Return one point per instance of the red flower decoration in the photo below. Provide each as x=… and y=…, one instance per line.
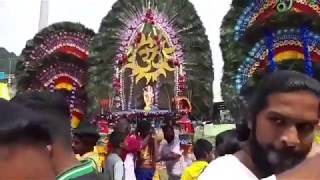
x=124, y=59
x=176, y=63
x=104, y=103
x=182, y=84
x=171, y=63
x=149, y=18
x=103, y=126
x=138, y=38
x=149, y=14
x=182, y=79
x=116, y=84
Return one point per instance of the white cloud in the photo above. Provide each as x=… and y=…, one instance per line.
x=211, y=13
x=18, y=22
x=88, y=12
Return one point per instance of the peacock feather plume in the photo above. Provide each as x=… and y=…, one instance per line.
x=261, y=36
x=161, y=43
x=56, y=60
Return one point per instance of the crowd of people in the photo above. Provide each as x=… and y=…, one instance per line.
x=134, y=156
x=36, y=141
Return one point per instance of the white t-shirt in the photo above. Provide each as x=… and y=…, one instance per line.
x=228, y=167
x=114, y=167
x=129, y=167
x=174, y=167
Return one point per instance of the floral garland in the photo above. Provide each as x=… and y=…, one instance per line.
x=139, y=115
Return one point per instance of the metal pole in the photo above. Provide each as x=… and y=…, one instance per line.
x=44, y=14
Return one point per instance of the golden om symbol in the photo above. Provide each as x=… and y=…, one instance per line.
x=148, y=60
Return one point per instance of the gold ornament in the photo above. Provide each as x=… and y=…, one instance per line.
x=148, y=97
x=147, y=60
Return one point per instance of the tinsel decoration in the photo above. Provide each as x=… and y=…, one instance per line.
x=133, y=116
x=246, y=48
x=307, y=58
x=269, y=41
x=65, y=37
x=56, y=60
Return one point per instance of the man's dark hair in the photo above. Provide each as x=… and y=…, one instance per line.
x=19, y=125
x=201, y=148
x=89, y=139
x=167, y=127
x=87, y=133
x=246, y=92
x=227, y=143
x=116, y=138
x=143, y=126
x=280, y=82
x=277, y=82
x=53, y=105
x=122, y=125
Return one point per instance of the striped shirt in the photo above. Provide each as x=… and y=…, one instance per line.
x=86, y=167
x=94, y=156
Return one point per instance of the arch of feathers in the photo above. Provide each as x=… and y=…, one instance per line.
x=56, y=60
x=261, y=36
x=154, y=43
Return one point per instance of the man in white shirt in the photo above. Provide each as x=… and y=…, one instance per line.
x=283, y=115
x=171, y=154
x=114, y=168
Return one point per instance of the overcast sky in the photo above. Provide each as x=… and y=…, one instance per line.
x=19, y=21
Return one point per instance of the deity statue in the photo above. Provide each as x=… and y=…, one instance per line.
x=148, y=97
